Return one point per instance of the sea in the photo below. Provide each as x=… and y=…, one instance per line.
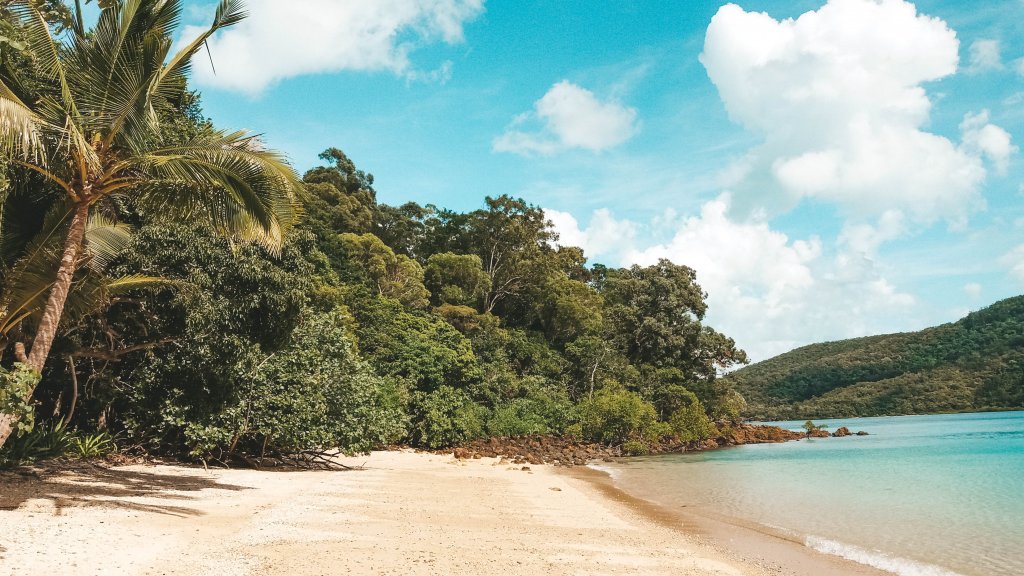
x=936, y=495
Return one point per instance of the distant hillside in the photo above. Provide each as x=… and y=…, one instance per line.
x=976, y=363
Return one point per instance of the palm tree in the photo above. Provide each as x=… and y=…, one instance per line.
x=94, y=132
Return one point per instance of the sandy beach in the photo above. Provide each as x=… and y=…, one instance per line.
x=404, y=513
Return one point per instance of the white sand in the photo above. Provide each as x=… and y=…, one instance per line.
x=407, y=513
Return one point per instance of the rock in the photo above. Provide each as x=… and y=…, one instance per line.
x=555, y=488
x=841, y=431
x=818, y=434
x=862, y=433
x=525, y=468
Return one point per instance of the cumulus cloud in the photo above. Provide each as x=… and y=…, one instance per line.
x=570, y=117
x=983, y=55
x=769, y=291
x=1014, y=261
x=286, y=39
x=973, y=290
x=982, y=138
x=837, y=96
x=773, y=293
x=604, y=239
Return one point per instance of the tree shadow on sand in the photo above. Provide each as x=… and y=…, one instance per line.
x=90, y=485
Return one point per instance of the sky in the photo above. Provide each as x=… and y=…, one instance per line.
x=830, y=170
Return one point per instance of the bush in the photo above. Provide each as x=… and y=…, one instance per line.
x=445, y=417
x=16, y=385
x=537, y=413
x=691, y=423
x=317, y=394
x=615, y=415
x=54, y=441
x=314, y=393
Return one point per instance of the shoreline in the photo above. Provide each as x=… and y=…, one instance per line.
x=405, y=513
x=744, y=541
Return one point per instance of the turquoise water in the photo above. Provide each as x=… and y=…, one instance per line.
x=921, y=496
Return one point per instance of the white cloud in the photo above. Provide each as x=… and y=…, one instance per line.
x=864, y=239
x=973, y=290
x=604, y=239
x=286, y=39
x=980, y=137
x=983, y=55
x=1014, y=260
x=1018, y=66
x=837, y=96
x=772, y=293
x=572, y=117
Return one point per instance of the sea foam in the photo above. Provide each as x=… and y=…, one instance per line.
x=612, y=473
x=876, y=559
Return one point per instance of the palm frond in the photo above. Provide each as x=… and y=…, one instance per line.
x=246, y=190
x=45, y=50
x=229, y=13
x=21, y=130
x=105, y=240
x=27, y=282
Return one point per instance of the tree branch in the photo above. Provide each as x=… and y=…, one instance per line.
x=115, y=355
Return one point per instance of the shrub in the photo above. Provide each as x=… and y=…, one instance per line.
x=615, y=415
x=317, y=394
x=445, y=417
x=54, y=441
x=313, y=393
x=537, y=413
x=16, y=385
x=691, y=423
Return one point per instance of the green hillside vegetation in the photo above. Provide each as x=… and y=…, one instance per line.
x=178, y=289
x=976, y=363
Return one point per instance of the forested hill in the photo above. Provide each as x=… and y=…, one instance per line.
x=976, y=363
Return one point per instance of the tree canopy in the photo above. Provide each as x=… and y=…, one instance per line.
x=196, y=298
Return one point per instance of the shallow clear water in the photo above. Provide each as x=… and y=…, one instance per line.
x=920, y=496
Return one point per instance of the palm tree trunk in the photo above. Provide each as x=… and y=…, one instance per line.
x=47, y=329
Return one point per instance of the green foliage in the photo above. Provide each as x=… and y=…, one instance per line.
x=414, y=347
x=636, y=447
x=655, y=314
x=456, y=279
x=363, y=325
x=445, y=417
x=236, y=307
x=94, y=445
x=615, y=415
x=810, y=426
x=55, y=440
x=314, y=394
x=539, y=412
x=43, y=442
x=16, y=386
x=967, y=365
x=689, y=421
x=391, y=275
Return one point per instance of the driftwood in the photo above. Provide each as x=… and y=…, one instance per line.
x=304, y=460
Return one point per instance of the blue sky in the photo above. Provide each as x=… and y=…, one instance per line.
x=852, y=170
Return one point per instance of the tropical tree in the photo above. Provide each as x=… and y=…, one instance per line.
x=93, y=131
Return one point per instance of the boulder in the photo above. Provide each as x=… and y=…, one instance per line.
x=841, y=431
